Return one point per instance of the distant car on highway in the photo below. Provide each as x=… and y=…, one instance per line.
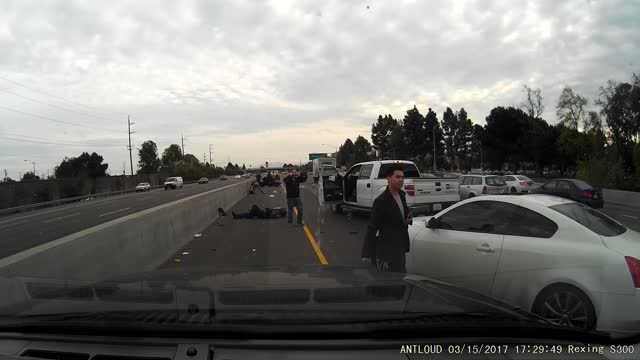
x=238, y=177
x=519, y=183
x=203, y=180
x=223, y=177
x=453, y=175
x=143, y=187
x=559, y=259
x=479, y=185
x=573, y=189
x=173, y=183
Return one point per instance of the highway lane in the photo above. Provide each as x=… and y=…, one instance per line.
x=23, y=231
x=339, y=237
x=230, y=243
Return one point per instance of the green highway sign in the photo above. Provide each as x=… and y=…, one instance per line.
x=318, y=155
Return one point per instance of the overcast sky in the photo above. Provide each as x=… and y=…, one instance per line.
x=273, y=81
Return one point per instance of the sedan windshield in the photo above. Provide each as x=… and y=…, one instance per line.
x=592, y=219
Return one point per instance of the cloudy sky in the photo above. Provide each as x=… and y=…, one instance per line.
x=273, y=81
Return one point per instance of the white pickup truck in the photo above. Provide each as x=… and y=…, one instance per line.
x=364, y=182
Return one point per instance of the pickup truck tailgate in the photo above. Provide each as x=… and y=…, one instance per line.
x=429, y=191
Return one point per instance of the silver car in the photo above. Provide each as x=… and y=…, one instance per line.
x=519, y=183
x=478, y=185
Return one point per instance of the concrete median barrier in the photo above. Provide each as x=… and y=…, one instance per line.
x=134, y=243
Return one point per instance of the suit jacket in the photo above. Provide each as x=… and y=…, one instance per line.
x=392, y=241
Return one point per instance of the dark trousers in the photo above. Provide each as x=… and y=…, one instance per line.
x=297, y=203
x=397, y=264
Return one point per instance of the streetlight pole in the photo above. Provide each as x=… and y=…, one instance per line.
x=335, y=147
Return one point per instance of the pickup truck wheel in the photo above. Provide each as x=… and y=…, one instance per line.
x=337, y=209
x=471, y=195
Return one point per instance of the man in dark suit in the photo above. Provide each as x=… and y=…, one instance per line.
x=387, y=238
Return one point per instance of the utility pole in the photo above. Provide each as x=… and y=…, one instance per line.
x=129, y=123
x=5, y=175
x=211, y=152
x=204, y=158
x=182, y=137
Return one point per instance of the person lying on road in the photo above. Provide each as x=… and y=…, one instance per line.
x=257, y=213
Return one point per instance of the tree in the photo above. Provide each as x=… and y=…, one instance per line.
x=171, y=154
x=83, y=165
x=148, y=158
x=415, y=132
x=244, y=168
x=432, y=125
x=398, y=146
x=30, y=176
x=450, y=128
x=620, y=104
x=571, y=108
x=533, y=103
x=504, y=137
x=346, y=156
x=190, y=159
x=362, y=150
x=464, y=137
x=381, y=136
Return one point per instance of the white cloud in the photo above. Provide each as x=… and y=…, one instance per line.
x=238, y=72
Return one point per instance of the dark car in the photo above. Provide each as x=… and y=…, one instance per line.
x=573, y=189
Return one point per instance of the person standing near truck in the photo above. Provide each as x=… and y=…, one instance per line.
x=387, y=238
x=292, y=186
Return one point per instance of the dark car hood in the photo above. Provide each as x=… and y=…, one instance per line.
x=286, y=289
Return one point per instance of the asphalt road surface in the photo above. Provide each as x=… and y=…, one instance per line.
x=325, y=238
x=23, y=231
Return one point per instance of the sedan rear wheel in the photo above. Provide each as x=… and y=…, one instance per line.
x=513, y=189
x=565, y=305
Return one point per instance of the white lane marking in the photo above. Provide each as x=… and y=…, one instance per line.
x=113, y=212
x=144, y=198
x=65, y=207
x=60, y=218
x=15, y=258
x=15, y=223
x=633, y=217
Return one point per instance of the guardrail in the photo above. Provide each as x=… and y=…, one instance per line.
x=45, y=204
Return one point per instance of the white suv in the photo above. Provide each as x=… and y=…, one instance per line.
x=478, y=185
x=173, y=183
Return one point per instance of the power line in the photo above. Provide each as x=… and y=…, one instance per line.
x=59, y=121
x=57, y=143
x=54, y=106
x=53, y=96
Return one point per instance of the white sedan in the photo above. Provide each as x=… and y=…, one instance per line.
x=557, y=258
x=143, y=187
x=519, y=183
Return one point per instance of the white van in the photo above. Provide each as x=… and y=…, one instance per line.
x=173, y=183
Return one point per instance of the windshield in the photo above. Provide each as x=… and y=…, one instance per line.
x=495, y=181
x=169, y=154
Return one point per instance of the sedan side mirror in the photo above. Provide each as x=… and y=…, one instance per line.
x=432, y=223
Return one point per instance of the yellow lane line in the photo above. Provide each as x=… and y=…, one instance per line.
x=314, y=244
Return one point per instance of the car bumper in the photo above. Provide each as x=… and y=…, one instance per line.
x=620, y=314
x=597, y=204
